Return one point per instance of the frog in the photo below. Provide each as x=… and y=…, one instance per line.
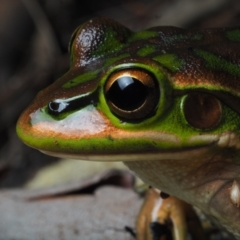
x=165, y=101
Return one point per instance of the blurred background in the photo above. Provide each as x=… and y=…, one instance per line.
x=34, y=37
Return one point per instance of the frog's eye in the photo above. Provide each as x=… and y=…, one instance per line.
x=202, y=110
x=132, y=94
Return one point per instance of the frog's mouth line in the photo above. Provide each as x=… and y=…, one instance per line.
x=209, y=143
x=173, y=155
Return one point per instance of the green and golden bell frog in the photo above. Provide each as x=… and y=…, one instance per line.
x=165, y=101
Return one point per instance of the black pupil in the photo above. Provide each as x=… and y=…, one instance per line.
x=127, y=93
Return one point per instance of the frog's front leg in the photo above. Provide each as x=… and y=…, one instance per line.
x=159, y=217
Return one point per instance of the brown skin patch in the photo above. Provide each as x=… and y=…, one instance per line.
x=91, y=35
x=195, y=74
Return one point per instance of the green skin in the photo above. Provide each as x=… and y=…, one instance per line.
x=182, y=62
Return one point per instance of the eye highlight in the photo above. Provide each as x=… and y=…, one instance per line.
x=202, y=110
x=132, y=94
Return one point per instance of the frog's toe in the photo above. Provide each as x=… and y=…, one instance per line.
x=169, y=218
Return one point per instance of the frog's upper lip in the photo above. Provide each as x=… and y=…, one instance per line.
x=209, y=142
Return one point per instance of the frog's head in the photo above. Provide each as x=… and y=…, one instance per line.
x=157, y=92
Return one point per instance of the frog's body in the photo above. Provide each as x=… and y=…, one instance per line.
x=166, y=101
